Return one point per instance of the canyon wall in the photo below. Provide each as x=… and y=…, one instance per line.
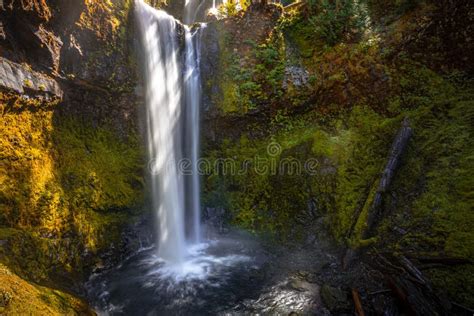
x=72, y=162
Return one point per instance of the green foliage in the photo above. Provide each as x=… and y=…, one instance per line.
x=359, y=98
x=301, y=34
x=332, y=20
x=270, y=70
x=244, y=87
x=349, y=155
x=258, y=196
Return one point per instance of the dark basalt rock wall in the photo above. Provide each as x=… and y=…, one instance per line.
x=86, y=47
x=69, y=88
x=21, y=80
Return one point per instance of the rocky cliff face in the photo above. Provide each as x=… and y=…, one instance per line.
x=300, y=114
x=320, y=101
x=71, y=160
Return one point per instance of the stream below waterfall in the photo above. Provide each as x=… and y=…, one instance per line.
x=231, y=275
x=214, y=277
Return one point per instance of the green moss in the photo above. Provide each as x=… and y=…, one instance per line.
x=300, y=33
x=22, y=298
x=100, y=171
x=66, y=188
x=360, y=163
x=229, y=102
x=259, y=196
x=443, y=155
x=353, y=110
x=456, y=282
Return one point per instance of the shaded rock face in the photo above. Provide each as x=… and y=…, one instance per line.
x=188, y=12
x=52, y=43
x=216, y=220
x=67, y=69
x=209, y=63
x=36, y=31
x=225, y=42
x=295, y=75
x=85, y=46
x=26, y=36
x=22, y=80
x=134, y=237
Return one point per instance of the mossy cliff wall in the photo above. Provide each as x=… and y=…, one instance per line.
x=71, y=160
x=317, y=95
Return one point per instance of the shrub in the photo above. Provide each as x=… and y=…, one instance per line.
x=332, y=20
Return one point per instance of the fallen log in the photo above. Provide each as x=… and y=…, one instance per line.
x=375, y=209
x=357, y=303
x=411, y=288
x=448, y=261
x=410, y=267
x=398, y=148
x=462, y=310
x=400, y=295
x=379, y=292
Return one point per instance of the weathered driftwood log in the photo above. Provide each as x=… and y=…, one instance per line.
x=398, y=148
x=396, y=152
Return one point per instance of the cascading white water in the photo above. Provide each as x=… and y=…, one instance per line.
x=192, y=83
x=190, y=11
x=196, y=10
x=172, y=97
x=185, y=275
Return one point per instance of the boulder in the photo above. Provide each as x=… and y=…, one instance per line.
x=20, y=79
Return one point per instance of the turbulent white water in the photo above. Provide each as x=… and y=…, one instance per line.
x=172, y=104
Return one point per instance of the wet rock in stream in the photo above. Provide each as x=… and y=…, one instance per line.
x=293, y=295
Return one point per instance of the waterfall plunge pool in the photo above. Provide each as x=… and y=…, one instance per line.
x=214, y=278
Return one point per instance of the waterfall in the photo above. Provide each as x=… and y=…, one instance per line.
x=172, y=118
x=192, y=82
x=190, y=11
x=196, y=10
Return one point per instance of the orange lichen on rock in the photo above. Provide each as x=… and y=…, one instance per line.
x=39, y=6
x=98, y=17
